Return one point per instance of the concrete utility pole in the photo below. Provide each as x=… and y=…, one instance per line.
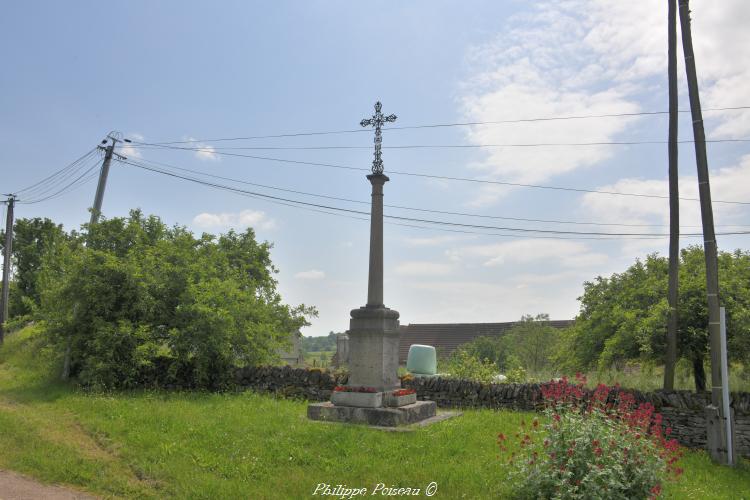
x=674, y=202
x=715, y=414
x=8, y=251
x=101, y=186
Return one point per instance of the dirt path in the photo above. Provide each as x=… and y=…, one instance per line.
x=17, y=487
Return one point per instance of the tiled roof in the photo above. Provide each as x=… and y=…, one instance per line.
x=446, y=337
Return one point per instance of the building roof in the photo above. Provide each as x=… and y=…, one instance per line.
x=446, y=337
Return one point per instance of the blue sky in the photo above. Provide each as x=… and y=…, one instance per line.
x=176, y=71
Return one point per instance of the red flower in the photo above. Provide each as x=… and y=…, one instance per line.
x=598, y=452
x=403, y=392
x=347, y=388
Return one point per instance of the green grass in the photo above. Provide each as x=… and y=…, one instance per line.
x=199, y=445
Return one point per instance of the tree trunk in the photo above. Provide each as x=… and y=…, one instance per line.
x=674, y=202
x=66, y=361
x=699, y=374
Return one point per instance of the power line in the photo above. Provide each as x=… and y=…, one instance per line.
x=411, y=219
x=68, y=187
x=294, y=204
x=455, y=124
x=402, y=207
x=56, y=178
x=211, y=149
x=449, y=178
x=41, y=191
x=84, y=156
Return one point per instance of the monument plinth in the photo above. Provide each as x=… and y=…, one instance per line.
x=373, y=334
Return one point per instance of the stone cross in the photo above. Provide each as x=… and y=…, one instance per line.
x=373, y=329
x=374, y=334
x=377, y=121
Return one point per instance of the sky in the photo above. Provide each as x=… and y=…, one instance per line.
x=196, y=72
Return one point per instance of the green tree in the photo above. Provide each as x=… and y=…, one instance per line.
x=488, y=348
x=532, y=342
x=141, y=297
x=624, y=317
x=322, y=343
x=32, y=240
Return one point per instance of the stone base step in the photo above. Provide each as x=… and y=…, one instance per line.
x=384, y=417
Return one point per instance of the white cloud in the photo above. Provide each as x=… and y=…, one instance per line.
x=312, y=275
x=560, y=253
x=431, y=241
x=539, y=68
x=630, y=41
x=422, y=268
x=204, y=152
x=727, y=184
x=128, y=150
x=457, y=301
x=593, y=57
x=246, y=218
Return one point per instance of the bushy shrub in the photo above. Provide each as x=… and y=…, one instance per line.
x=136, y=303
x=463, y=365
x=516, y=375
x=606, y=447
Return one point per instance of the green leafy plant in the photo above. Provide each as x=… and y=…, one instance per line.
x=516, y=375
x=463, y=365
x=600, y=446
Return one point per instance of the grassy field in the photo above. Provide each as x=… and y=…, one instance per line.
x=200, y=445
x=319, y=358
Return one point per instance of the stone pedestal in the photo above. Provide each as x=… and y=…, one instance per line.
x=373, y=348
x=383, y=417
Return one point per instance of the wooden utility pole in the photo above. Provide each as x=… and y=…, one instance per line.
x=715, y=418
x=101, y=186
x=8, y=252
x=674, y=202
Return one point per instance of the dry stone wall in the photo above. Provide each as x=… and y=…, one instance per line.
x=683, y=411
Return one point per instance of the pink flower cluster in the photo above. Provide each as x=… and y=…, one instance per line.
x=620, y=434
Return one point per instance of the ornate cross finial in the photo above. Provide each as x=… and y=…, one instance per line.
x=377, y=121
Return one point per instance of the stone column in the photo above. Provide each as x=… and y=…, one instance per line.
x=373, y=329
x=375, y=278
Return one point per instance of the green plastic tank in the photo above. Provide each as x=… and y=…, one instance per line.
x=422, y=360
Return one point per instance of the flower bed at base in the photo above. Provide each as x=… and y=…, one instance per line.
x=404, y=392
x=604, y=447
x=346, y=388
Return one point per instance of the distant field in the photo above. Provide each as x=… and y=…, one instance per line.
x=144, y=444
x=319, y=358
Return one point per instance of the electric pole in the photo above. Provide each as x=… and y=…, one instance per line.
x=715, y=417
x=7, y=251
x=101, y=186
x=674, y=202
